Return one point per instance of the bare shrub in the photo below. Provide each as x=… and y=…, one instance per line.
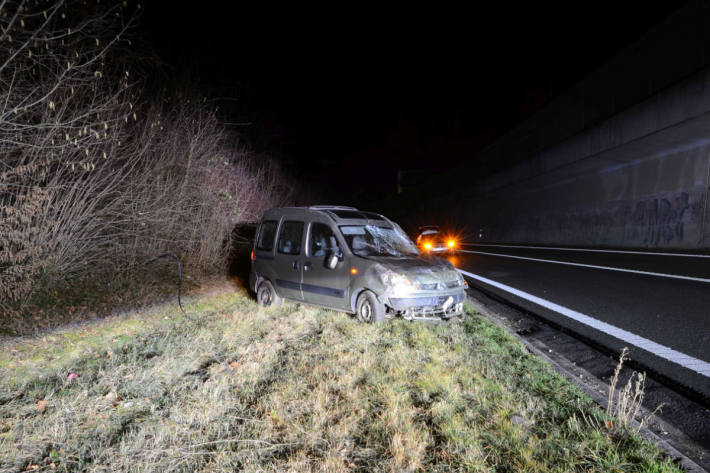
x=626, y=403
x=57, y=123
x=92, y=184
x=192, y=185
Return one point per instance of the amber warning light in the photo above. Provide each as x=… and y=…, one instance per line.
x=451, y=243
x=427, y=246
x=353, y=270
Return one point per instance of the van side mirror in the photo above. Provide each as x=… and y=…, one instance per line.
x=331, y=261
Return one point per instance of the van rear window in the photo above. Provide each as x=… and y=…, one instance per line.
x=267, y=233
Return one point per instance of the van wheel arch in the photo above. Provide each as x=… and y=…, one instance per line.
x=258, y=281
x=368, y=308
x=353, y=298
x=356, y=293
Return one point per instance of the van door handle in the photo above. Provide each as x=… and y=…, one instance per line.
x=307, y=265
x=295, y=265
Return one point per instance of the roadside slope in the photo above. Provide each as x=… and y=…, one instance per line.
x=297, y=389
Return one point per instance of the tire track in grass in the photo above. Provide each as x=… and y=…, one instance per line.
x=279, y=406
x=228, y=393
x=333, y=398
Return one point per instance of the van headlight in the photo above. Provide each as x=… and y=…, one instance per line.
x=460, y=280
x=396, y=283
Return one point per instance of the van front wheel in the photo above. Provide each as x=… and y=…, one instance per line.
x=369, y=309
x=266, y=295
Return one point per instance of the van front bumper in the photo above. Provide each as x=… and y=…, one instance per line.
x=428, y=306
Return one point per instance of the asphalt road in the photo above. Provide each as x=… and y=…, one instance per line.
x=656, y=305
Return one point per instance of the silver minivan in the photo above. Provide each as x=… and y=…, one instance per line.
x=349, y=260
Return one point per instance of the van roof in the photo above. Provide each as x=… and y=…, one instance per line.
x=336, y=212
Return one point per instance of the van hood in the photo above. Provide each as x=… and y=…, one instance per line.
x=423, y=269
x=414, y=264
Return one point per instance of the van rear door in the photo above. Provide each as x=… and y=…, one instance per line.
x=288, y=259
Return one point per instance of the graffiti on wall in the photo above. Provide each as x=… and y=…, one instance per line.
x=660, y=220
x=664, y=220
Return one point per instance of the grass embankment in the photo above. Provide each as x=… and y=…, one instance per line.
x=296, y=389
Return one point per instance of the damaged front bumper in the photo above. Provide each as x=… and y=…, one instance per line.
x=427, y=307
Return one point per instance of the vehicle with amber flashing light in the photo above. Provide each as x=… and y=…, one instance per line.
x=432, y=240
x=350, y=260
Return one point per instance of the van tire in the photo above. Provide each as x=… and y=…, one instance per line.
x=369, y=309
x=266, y=295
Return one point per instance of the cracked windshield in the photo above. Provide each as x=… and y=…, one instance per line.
x=370, y=240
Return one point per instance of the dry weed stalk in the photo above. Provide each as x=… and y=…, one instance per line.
x=626, y=403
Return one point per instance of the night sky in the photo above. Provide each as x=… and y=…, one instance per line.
x=335, y=93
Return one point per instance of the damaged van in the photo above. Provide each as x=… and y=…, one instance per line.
x=353, y=261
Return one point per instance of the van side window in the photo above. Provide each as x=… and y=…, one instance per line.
x=322, y=240
x=290, y=238
x=267, y=233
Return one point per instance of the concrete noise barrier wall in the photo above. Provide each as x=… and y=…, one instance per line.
x=638, y=179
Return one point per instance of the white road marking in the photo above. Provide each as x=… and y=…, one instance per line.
x=662, y=351
x=593, y=266
x=590, y=250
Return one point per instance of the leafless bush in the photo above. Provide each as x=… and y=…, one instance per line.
x=92, y=183
x=193, y=185
x=57, y=124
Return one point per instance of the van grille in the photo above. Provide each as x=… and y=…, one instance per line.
x=430, y=287
x=439, y=286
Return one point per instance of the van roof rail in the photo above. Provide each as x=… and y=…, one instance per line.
x=331, y=207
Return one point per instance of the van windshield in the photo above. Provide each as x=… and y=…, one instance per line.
x=370, y=240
